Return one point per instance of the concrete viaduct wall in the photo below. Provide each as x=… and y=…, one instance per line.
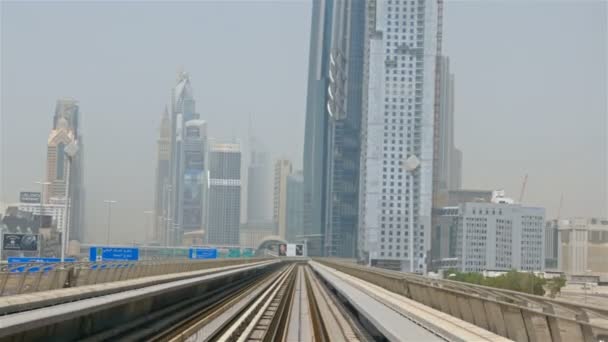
x=519, y=317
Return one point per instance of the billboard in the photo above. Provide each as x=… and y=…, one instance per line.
x=19, y=242
x=248, y=253
x=282, y=249
x=113, y=254
x=29, y=197
x=295, y=250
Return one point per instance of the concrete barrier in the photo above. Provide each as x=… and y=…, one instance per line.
x=95, y=310
x=34, y=277
x=517, y=316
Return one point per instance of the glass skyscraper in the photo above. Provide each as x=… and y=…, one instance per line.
x=333, y=123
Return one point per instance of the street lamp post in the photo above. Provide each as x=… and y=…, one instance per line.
x=109, y=203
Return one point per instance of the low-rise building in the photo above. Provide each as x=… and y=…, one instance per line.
x=499, y=236
x=583, y=245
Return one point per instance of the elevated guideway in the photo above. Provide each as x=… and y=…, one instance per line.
x=290, y=299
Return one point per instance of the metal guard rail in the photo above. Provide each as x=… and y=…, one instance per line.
x=515, y=315
x=33, y=277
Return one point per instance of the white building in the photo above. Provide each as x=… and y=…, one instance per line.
x=584, y=245
x=500, y=237
x=398, y=134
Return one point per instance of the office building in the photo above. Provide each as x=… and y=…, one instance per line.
x=66, y=134
x=444, y=235
x=500, y=237
x=259, y=198
x=399, y=133
x=193, y=206
x=224, y=194
x=56, y=159
x=162, y=178
x=332, y=145
x=584, y=245
x=295, y=207
x=282, y=169
x=552, y=246
x=186, y=194
x=448, y=159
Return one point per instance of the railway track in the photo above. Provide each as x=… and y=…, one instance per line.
x=289, y=305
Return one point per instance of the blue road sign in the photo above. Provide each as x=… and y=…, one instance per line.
x=15, y=260
x=203, y=253
x=113, y=254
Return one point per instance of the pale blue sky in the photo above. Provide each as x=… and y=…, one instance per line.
x=531, y=83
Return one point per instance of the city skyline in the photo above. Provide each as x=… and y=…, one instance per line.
x=507, y=160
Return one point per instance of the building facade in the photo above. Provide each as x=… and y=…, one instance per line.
x=193, y=194
x=444, y=235
x=295, y=207
x=186, y=194
x=56, y=160
x=259, y=199
x=399, y=133
x=282, y=169
x=500, y=237
x=62, y=165
x=584, y=245
x=552, y=246
x=333, y=125
x=224, y=194
x=449, y=158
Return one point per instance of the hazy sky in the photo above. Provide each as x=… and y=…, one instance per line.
x=531, y=84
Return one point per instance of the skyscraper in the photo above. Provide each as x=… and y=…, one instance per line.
x=56, y=160
x=186, y=192
x=399, y=133
x=224, y=194
x=66, y=132
x=259, y=174
x=333, y=123
x=162, y=178
x=194, y=189
x=449, y=158
x=294, y=210
x=282, y=169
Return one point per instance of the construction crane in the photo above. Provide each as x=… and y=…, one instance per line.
x=523, y=189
